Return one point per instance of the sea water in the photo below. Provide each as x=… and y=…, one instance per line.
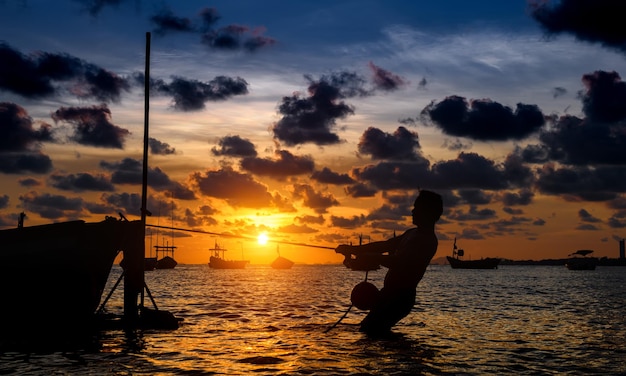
x=531, y=320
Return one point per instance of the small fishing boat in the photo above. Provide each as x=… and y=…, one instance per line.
x=167, y=261
x=457, y=263
x=281, y=262
x=217, y=260
x=580, y=260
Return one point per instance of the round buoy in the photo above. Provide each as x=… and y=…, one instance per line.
x=364, y=295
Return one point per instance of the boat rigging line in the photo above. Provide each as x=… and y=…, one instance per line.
x=238, y=236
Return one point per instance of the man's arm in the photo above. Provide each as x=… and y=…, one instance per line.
x=379, y=247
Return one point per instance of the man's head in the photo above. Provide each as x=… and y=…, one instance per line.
x=427, y=209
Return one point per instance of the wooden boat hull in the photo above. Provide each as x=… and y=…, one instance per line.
x=281, y=263
x=581, y=264
x=55, y=274
x=220, y=263
x=166, y=263
x=486, y=263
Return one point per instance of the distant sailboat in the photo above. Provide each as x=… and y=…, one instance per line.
x=217, y=260
x=281, y=262
x=168, y=261
x=457, y=263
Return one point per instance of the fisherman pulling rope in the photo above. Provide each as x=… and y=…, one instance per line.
x=406, y=257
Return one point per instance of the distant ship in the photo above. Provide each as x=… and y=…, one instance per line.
x=580, y=260
x=281, y=262
x=217, y=260
x=167, y=262
x=457, y=263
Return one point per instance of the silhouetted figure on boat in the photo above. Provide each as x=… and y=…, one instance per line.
x=407, y=256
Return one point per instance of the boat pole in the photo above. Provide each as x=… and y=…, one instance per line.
x=134, y=279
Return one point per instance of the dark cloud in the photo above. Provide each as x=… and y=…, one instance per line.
x=594, y=21
x=130, y=171
x=92, y=126
x=360, y=190
x=585, y=216
x=318, y=201
x=523, y=197
x=327, y=176
x=81, y=182
x=285, y=165
x=166, y=21
x=229, y=37
x=472, y=214
x=310, y=219
x=483, y=119
x=29, y=182
x=394, y=175
x=470, y=170
x=313, y=119
x=475, y=196
x=467, y=171
x=605, y=98
x=39, y=76
x=422, y=84
x=558, y=92
x=4, y=201
x=125, y=202
x=234, y=146
x=95, y=6
x=600, y=183
x=235, y=37
x=402, y=145
x=238, y=189
x=160, y=148
x=192, y=95
x=28, y=162
x=354, y=222
x=385, y=80
x=52, y=206
x=576, y=141
x=17, y=132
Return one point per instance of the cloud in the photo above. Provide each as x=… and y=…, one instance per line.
x=580, y=18
x=313, y=119
x=52, y=206
x=585, y=216
x=284, y=166
x=234, y=146
x=130, y=171
x=605, y=96
x=18, y=163
x=16, y=129
x=95, y=6
x=37, y=76
x=230, y=37
x=327, y=176
x=402, y=145
x=92, y=126
x=160, y=148
x=237, y=189
x=600, y=183
x=81, y=182
x=4, y=201
x=317, y=201
x=192, y=95
x=483, y=119
x=385, y=80
x=166, y=21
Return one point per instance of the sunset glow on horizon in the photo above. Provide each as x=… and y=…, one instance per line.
x=317, y=125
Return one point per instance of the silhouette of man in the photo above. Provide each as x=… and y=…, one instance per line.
x=406, y=256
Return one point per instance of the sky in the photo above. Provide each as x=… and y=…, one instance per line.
x=318, y=122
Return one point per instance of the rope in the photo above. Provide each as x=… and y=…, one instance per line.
x=345, y=313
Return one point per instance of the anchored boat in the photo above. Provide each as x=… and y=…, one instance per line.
x=217, y=260
x=456, y=261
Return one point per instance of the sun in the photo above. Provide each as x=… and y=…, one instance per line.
x=262, y=239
